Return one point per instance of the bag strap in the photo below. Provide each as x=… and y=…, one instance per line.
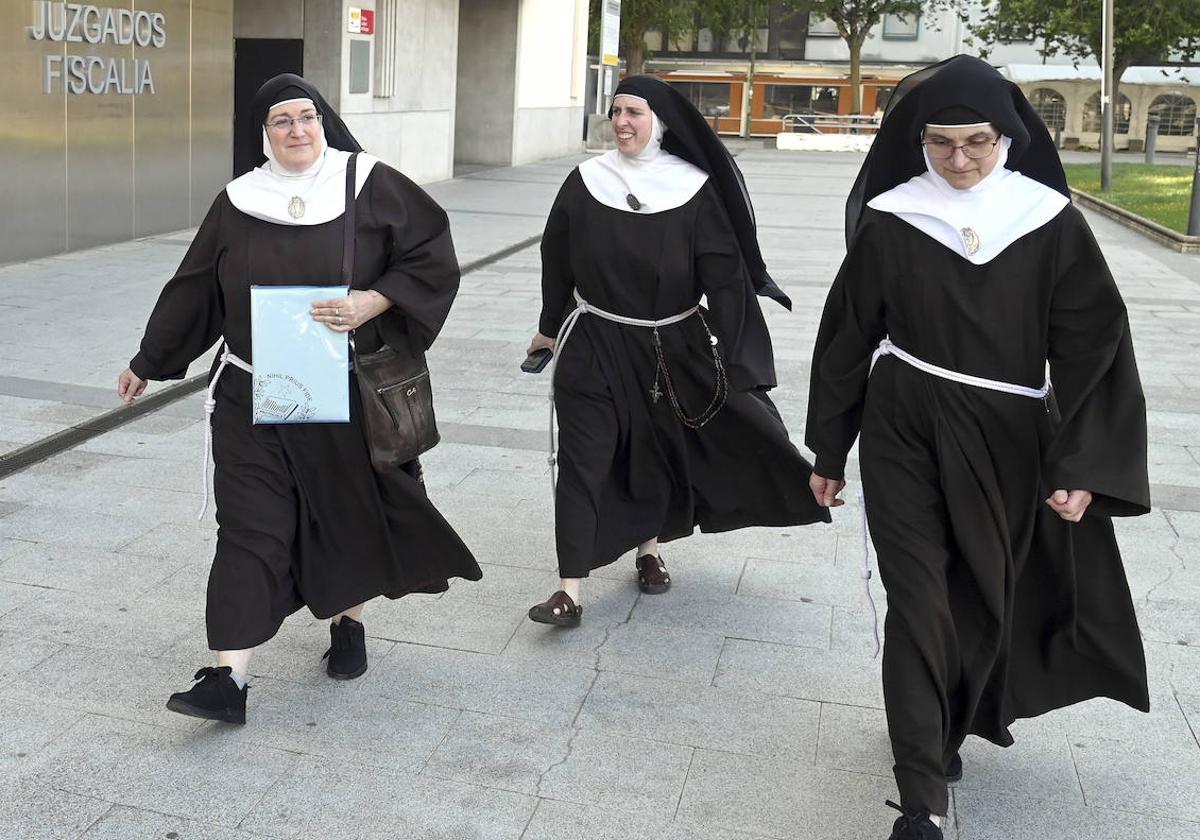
x=348, y=234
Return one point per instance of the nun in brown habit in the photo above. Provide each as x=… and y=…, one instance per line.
x=666, y=425
x=304, y=520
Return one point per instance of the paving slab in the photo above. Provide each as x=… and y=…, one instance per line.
x=499, y=752
x=385, y=804
x=124, y=823
x=995, y=816
x=768, y=798
x=715, y=718
x=822, y=674
x=628, y=774
x=31, y=811
x=345, y=724
x=211, y=776
x=478, y=682
x=1158, y=777
x=571, y=821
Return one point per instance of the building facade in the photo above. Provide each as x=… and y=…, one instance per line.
x=121, y=118
x=802, y=68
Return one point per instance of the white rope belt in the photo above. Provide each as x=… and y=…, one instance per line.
x=210, y=405
x=568, y=325
x=886, y=348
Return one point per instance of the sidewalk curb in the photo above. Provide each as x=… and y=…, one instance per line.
x=1173, y=239
x=32, y=453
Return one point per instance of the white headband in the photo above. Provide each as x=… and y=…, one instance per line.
x=290, y=101
x=957, y=125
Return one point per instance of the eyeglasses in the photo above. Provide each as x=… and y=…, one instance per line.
x=941, y=148
x=279, y=126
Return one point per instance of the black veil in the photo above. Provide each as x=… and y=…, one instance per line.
x=690, y=137
x=964, y=80
x=290, y=86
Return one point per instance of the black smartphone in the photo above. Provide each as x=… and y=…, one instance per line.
x=536, y=361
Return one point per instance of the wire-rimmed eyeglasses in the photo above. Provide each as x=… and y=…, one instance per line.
x=282, y=124
x=942, y=148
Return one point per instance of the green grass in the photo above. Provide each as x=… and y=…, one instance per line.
x=1160, y=193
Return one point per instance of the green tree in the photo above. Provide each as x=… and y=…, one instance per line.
x=856, y=18
x=1144, y=32
x=739, y=21
x=639, y=17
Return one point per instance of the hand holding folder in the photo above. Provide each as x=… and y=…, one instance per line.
x=301, y=367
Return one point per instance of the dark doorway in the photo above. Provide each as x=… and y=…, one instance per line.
x=254, y=61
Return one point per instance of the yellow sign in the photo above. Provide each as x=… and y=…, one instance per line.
x=610, y=32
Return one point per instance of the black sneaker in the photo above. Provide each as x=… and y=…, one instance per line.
x=347, y=652
x=954, y=771
x=913, y=825
x=215, y=697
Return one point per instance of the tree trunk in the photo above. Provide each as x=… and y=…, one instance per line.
x=635, y=56
x=747, y=101
x=855, y=42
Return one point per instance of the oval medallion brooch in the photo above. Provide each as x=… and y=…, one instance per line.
x=971, y=240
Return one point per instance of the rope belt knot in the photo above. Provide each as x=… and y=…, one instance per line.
x=582, y=307
x=887, y=348
x=210, y=405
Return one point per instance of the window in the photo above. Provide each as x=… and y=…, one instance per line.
x=1092, y=116
x=360, y=66
x=882, y=95
x=792, y=30
x=825, y=100
x=1176, y=113
x=706, y=96
x=1051, y=107
x=901, y=27
x=820, y=27
x=781, y=100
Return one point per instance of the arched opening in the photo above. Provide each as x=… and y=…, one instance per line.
x=1121, y=114
x=1176, y=114
x=1051, y=107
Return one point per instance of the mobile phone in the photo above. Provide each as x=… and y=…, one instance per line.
x=536, y=361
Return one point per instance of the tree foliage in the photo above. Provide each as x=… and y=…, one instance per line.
x=639, y=17
x=856, y=18
x=1144, y=32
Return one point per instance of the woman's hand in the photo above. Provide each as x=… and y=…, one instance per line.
x=825, y=490
x=540, y=341
x=1070, y=505
x=343, y=314
x=130, y=386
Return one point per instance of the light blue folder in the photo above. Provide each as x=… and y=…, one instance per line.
x=301, y=366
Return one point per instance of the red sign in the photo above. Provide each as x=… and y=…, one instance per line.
x=366, y=25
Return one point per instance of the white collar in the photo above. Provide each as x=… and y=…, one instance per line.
x=657, y=179
x=267, y=192
x=976, y=223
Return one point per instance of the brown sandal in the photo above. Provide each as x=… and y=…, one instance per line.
x=558, y=610
x=652, y=574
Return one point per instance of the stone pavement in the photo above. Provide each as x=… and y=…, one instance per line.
x=743, y=704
